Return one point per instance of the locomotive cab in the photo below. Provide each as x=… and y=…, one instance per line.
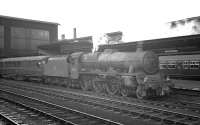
x=75, y=65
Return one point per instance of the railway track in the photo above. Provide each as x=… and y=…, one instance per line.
x=186, y=98
x=5, y=119
x=25, y=110
x=157, y=114
x=187, y=92
x=179, y=104
x=16, y=114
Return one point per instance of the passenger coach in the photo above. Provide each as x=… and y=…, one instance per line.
x=181, y=66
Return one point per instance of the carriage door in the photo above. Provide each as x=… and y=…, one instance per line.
x=75, y=65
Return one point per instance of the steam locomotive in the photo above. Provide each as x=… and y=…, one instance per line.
x=123, y=73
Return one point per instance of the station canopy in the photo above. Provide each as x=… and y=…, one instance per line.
x=180, y=45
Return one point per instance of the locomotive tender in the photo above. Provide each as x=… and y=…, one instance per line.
x=111, y=72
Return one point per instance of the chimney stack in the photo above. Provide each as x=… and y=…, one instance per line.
x=74, y=30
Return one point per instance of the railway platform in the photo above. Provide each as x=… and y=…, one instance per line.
x=187, y=84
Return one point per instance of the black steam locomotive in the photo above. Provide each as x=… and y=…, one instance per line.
x=112, y=72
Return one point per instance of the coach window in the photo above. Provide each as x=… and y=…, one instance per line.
x=191, y=64
x=196, y=64
x=186, y=64
x=7, y=64
x=172, y=65
x=163, y=66
x=17, y=63
x=1, y=64
x=23, y=63
x=11, y=64
x=14, y=64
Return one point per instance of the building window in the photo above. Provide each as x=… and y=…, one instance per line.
x=28, y=39
x=38, y=37
x=37, y=34
x=18, y=32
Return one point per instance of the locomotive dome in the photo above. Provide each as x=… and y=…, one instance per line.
x=150, y=62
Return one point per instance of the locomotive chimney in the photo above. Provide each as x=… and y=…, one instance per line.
x=74, y=31
x=139, y=46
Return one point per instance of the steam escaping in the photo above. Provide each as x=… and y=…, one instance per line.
x=99, y=40
x=106, y=38
x=183, y=27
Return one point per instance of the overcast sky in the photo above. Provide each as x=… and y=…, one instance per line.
x=137, y=19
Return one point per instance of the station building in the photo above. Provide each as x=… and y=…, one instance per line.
x=20, y=37
x=84, y=44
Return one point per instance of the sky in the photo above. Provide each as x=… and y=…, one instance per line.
x=137, y=19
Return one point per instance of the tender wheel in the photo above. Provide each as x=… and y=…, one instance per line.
x=112, y=88
x=141, y=92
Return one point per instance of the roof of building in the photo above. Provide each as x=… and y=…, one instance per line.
x=68, y=45
x=184, y=43
x=80, y=39
x=30, y=20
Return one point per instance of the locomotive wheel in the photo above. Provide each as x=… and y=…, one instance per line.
x=124, y=91
x=84, y=85
x=47, y=80
x=98, y=87
x=112, y=88
x=65, y=82
x=141, y=92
